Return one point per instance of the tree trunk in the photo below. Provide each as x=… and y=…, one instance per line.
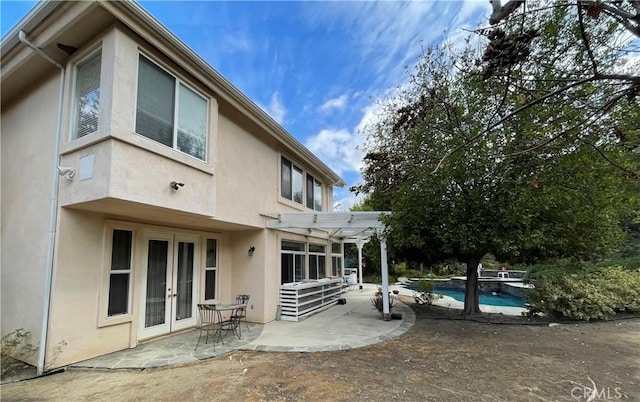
x=471, y=294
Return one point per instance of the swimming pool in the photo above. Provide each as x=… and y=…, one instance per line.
x=498, y=299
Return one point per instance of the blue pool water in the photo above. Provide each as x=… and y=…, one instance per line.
x=499, y=299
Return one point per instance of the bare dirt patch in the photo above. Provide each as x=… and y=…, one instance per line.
x=442, y=358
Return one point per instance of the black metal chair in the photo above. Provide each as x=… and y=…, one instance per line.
x=241, y=314
x=207, y=323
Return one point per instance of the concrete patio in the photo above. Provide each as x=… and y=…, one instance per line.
x=351, y=325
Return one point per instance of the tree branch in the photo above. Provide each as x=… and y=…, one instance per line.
x=598, y=77
x=634, y=29
x=615, y=10
x=628, y=171
x=617, y=77
x=555, y=137
x=585, y=40
x=629, y=20
x=508, y=116
x=501, y=12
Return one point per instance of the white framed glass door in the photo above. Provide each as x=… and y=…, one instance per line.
x=169, y=284
x=184, y=296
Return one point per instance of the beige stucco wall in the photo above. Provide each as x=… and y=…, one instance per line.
x=239, y=180
x=27, y=141
x=128, y=166
x=80, y=327
x=247, y=273
x=74, y=333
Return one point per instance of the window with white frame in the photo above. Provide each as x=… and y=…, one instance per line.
x=336, y=259
x=292, y=186
x=120, y=272
x=169, y=112
x=86, y=106
x=211, y=271
x=317, y=261
x=314, y=193
x=292, y=261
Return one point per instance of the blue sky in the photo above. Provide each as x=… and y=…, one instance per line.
x=316, y=67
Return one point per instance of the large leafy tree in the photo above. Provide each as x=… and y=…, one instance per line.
x=553, y=179
x=566, y=56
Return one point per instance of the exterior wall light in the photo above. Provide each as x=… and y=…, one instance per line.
x=251, y=250
x=175, y=185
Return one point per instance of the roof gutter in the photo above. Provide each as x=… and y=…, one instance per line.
x=53, y=209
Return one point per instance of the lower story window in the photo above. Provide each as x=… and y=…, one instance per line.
x=336, y=266
x=317, y=260
x=292, y=261
x=120, y=272
x=211, y=271
x=336, y=259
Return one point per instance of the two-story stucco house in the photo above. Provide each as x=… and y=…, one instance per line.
x=133, y=180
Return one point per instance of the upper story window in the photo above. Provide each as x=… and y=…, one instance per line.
x=292, y=186
x=314, y=193
x=87, y=96
x=169, y=112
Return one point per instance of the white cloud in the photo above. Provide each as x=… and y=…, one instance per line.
x=343, y=151
x=276, y=109
x=340, y=149
x=370, y=116
x=386, y=36
x=347, y=201
x=335, y=103
x=238, y=42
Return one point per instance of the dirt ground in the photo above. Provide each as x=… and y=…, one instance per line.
x=442, y=358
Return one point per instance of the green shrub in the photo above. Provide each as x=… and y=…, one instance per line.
x=425, y=295
x=426, y=286
x=14, y=345
x=378, y=303
x=588, y=294
x=552, y=268
x=623, y=287
x=632, y=262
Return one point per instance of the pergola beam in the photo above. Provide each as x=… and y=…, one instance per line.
x=347, y=227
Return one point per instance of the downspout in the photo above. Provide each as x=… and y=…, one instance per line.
x=53, y=212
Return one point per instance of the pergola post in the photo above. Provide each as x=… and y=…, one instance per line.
x=386, y=314
x=360, y=244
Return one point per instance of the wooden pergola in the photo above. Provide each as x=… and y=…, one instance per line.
x=343, y=227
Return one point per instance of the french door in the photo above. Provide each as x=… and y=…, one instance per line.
x=169, y=284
